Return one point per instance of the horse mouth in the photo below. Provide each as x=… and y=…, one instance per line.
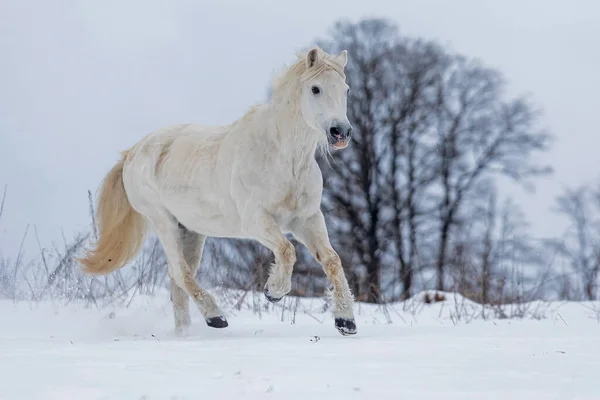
x=338, y=144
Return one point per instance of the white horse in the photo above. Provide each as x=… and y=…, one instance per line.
x=256, y=178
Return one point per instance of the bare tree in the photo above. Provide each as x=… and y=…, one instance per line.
x=430, y=127
x=580, y=246
x=353, y=195
x=491, y=256
x=410, y=170
x=479, y=135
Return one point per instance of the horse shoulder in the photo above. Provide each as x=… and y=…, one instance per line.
x=314, y=187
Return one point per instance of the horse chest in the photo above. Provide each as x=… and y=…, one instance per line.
x=294, y=199
x=291, y=199
x=286, y=191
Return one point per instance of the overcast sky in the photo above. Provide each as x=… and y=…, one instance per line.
x=81, y=80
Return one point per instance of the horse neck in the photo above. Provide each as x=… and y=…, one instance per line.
x=298, y=141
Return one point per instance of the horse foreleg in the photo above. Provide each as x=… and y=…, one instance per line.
x=313, y=234
x=265, y=230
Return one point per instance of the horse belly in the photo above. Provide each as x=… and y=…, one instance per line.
x=204, y=215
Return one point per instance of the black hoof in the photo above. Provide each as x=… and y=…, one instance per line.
x=271, y=298
x=217, y=322
x=345, y=326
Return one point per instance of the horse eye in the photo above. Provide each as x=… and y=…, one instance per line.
x=316, y=90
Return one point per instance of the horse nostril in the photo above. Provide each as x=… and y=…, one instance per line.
x=334, y=131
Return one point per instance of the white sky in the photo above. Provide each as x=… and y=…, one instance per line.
x=80, y=81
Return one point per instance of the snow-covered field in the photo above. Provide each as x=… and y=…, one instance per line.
x=292, y=351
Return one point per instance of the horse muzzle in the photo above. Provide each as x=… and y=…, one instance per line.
x=339, y=135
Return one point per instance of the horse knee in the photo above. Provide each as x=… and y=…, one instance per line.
x=287, y=253
x=332, y=264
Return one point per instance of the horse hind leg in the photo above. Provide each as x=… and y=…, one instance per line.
x=183, y=248
x=192, y=244
x=181, y=308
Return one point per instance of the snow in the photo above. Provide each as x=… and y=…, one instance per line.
x=408, y=350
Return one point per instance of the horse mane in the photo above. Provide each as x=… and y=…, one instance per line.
x=299, y=72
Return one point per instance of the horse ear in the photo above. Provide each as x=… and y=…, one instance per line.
x=342, y=57
x=312, y=57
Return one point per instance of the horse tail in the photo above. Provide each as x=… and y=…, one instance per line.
x=121, y=228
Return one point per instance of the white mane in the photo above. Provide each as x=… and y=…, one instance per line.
x=299, y=71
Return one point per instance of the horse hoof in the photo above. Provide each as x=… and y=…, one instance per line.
x=271, y=298
x=345, y=326
x=217, y=322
